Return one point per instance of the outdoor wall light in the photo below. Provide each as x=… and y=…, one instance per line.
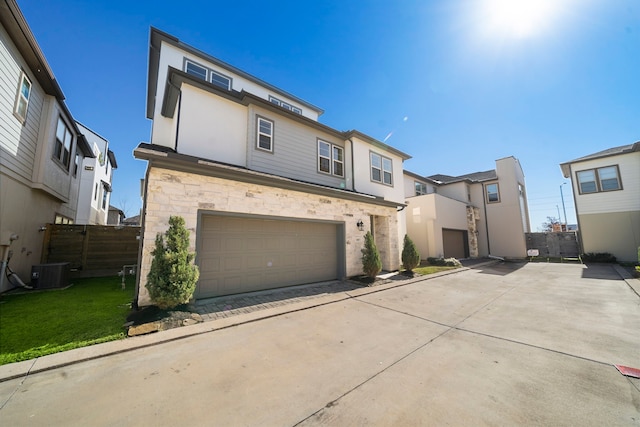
x=360, y=225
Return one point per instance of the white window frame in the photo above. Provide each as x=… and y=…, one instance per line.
x=598, y=180
x=489, y=193
x=63, y=153
x=420, y=188
x=209, y=74
x=195, y=64
x=383, y=170
x=332, y=159
x=21, y=106
x=260, y=133
x=285, y=105
x=213, y=73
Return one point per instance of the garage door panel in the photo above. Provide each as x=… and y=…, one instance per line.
x=239, y=254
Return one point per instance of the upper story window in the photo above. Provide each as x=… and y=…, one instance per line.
x=330, y=158
x=61, y=219
x=264, y=140
x=75, y=163
x=283, y=104
x=493, y=193
x=381, y=169
x=421, y=188
x=22, y=98
x=600, y=179
x=207, y=74
x=62, y=151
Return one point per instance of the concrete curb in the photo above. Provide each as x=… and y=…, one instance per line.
x=58, y=360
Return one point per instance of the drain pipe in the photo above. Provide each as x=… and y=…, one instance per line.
x=7, y=238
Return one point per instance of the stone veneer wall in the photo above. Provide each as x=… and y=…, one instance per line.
x=179, y=193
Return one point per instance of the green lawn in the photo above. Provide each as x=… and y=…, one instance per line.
x=431, y=269
x=38, y=323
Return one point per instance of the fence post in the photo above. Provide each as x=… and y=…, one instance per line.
x=85, y=246
x=46, y=240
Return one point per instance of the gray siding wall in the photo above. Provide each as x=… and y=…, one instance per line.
x=295, y=150
x=18, y=143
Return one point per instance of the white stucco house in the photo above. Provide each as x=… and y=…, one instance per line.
x=606, y=193
x=96, y=174
x=472, y=215
x=272, y=196
x=41, y=147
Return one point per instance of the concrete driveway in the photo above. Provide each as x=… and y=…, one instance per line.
x=507, y=344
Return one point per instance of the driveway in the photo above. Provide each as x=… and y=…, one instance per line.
x=507, y=344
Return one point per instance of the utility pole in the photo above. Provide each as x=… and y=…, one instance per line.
x=563, y=208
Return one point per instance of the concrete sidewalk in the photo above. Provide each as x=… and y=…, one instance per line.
x=502, y=344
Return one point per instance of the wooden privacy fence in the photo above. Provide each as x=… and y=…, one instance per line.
x=91, y=250
x=554, y=245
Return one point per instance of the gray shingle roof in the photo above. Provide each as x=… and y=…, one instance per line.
x=473, y=177
x=608, y=152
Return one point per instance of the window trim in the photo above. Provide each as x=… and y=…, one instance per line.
x=259, y=133
x=331, y=158
x=20, y=98
x=381, y=169
x=486, y=192
x=209, y=74
x=285, y=105
x=60, y=159
x=598, y=180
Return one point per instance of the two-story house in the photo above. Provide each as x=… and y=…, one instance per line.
x=272, y=196
x=96, y=176
x=41, y=148
x=606, y=193
x=472, y=215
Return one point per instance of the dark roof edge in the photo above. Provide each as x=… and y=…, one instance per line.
x=168, y=158
x=376, y=143
x=156, y=37
x=625, y=149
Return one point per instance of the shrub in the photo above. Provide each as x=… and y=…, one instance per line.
x=172, y=277
x=410, y=255
x=371, y=264
x=444, y=262
x=598, y=257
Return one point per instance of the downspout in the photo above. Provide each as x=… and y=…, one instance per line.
x=353, y=172
x=178, y=119
x=486, y=220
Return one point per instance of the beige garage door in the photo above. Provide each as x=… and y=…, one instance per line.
x=238, y=254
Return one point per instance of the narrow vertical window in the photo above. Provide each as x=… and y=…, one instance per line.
x=493, y=194
x=62, y=150
x=376, y=167
x=265, y=134
x=22, y=98
x=338, y=161
x=324, y=157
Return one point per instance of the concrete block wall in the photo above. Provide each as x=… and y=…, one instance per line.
x=179, y=193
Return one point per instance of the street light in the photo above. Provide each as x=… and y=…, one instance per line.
x=563, y=208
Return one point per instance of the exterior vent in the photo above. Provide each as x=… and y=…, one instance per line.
x=48, y=276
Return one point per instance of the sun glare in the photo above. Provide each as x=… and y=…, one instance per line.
x=517, y=18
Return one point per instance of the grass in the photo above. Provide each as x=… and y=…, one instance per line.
x=37, y=323
x=431, y=269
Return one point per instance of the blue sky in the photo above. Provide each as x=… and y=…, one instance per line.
x=457, y=83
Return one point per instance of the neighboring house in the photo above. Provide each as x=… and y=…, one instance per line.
x=41, y=148
x=132, y=220
x=469, y=216
x=116, y=216
x=606, y=192
x=272, y=196
x=95, y=182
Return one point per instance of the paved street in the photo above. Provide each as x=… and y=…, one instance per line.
x=506, y=344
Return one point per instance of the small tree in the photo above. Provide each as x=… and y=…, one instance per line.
x=172, y=277
x=410, y=255
x=371, y=264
